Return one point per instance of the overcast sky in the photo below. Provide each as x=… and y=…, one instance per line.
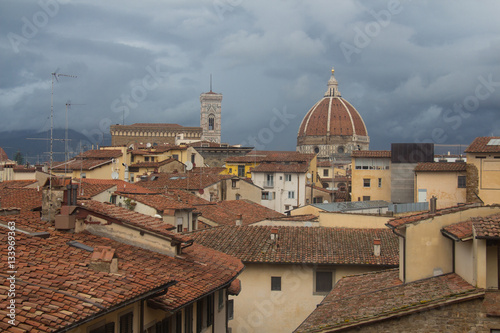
x=415, y=70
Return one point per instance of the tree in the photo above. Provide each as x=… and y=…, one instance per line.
x=19, y=158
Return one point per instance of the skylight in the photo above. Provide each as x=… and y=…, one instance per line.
x=494, y=142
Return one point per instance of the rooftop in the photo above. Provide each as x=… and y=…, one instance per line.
x=371, y=153
x=441, y=167
x=485, y=144
x=271, y=156
x=362, y=299
x=308, y=245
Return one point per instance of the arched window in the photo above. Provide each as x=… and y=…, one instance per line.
x=211, y=122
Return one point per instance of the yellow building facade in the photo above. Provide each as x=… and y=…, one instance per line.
x=371, y=175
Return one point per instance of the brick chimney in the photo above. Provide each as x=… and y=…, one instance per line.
x=239, y=219
x=103, y=259
x=433, y=205
x=376, y=247
x=274, y=233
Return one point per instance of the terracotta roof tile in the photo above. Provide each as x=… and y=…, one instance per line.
x=400, y=221
x=3, y=155
x=480, y=145
x=279, y=167
x=57, y=287
x=100, y=154
x=487, y=227
x=361, y=299
x=459, y=231
x=183, y=181
x=23, y=198
x=316, y=245
x=271, y=156
x=158, y=201
x=441, y=167
x=17, y=183
x=371, y=153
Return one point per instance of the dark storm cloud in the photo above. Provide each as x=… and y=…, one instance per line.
x=403, y=65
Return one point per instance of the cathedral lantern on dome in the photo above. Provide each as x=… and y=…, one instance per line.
x=332, y=127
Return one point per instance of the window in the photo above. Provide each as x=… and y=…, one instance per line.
x=241, y=171
x=276, y=283
x=234, y=183
x=287, y=207
x=325, y=172
x=175, y=156
x=146, y=158
x=178, y=322
x=323, y=281
x=131, y=177
x=270, y=180
x=163, y=326
x=366, y=198
x=192, y=158
x=291, y=195
x=104, y=328
x=461, y=181
x=288, y=177
x=211, y=123
x=238, y=197
x=180, y=224
x=366, y=182
x=380, y=182
x=230, y=309
x=199, y=316
x=127, y=323
x=188, y=319
x=83, y=175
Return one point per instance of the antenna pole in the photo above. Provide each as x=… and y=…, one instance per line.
x=210, y=82
x=55, y=75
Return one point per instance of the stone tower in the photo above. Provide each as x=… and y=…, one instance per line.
x=210, y=118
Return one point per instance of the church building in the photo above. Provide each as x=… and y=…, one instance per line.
x=332, y=128
x=160, y=133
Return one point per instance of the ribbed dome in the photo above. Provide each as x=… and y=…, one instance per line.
x=332, y=127
x=332, y=116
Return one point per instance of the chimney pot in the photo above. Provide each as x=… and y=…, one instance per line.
x=376, y=247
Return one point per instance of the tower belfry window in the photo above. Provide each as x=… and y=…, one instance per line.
x=211, y=122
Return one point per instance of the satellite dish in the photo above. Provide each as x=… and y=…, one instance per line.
x=308, y=176
x=189, y=165
x=148, y=145
x=114, y=175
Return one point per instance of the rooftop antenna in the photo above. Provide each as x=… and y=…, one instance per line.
x=210, y=82
x=55, y=76
x=66, y=152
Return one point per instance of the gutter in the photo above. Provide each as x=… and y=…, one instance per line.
x=158, y=291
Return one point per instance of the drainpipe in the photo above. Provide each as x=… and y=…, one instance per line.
x=126, y=172
x=404, y=250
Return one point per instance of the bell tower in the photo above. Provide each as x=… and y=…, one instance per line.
x=210, y=115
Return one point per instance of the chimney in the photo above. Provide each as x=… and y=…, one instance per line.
x=433, y=205
x=376, y=247
x=103, y=259
x=239, y=218
x=274, y=233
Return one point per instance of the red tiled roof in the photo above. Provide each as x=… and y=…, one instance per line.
x=271, y=156
x=208, y=170
x=316, y=245
x=371, y=153
x=480, y=145
x=23, y=198
x=459, y=231
x=121, y=214
x=279, y=167
x=87, y=164
x=251, y=212
x=89, y=187
x=183, y=181
x=320, y=188
x=487, y=227
x=100, y=154
x=158, y=201
x=56, y=287
x=441, y=167
x=399, y=221
x=17, y=183
x=360, y=299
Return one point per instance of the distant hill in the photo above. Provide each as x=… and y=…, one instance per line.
x=37, y=151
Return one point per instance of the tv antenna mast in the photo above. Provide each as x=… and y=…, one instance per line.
x=55, y=76
x=66, y=152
